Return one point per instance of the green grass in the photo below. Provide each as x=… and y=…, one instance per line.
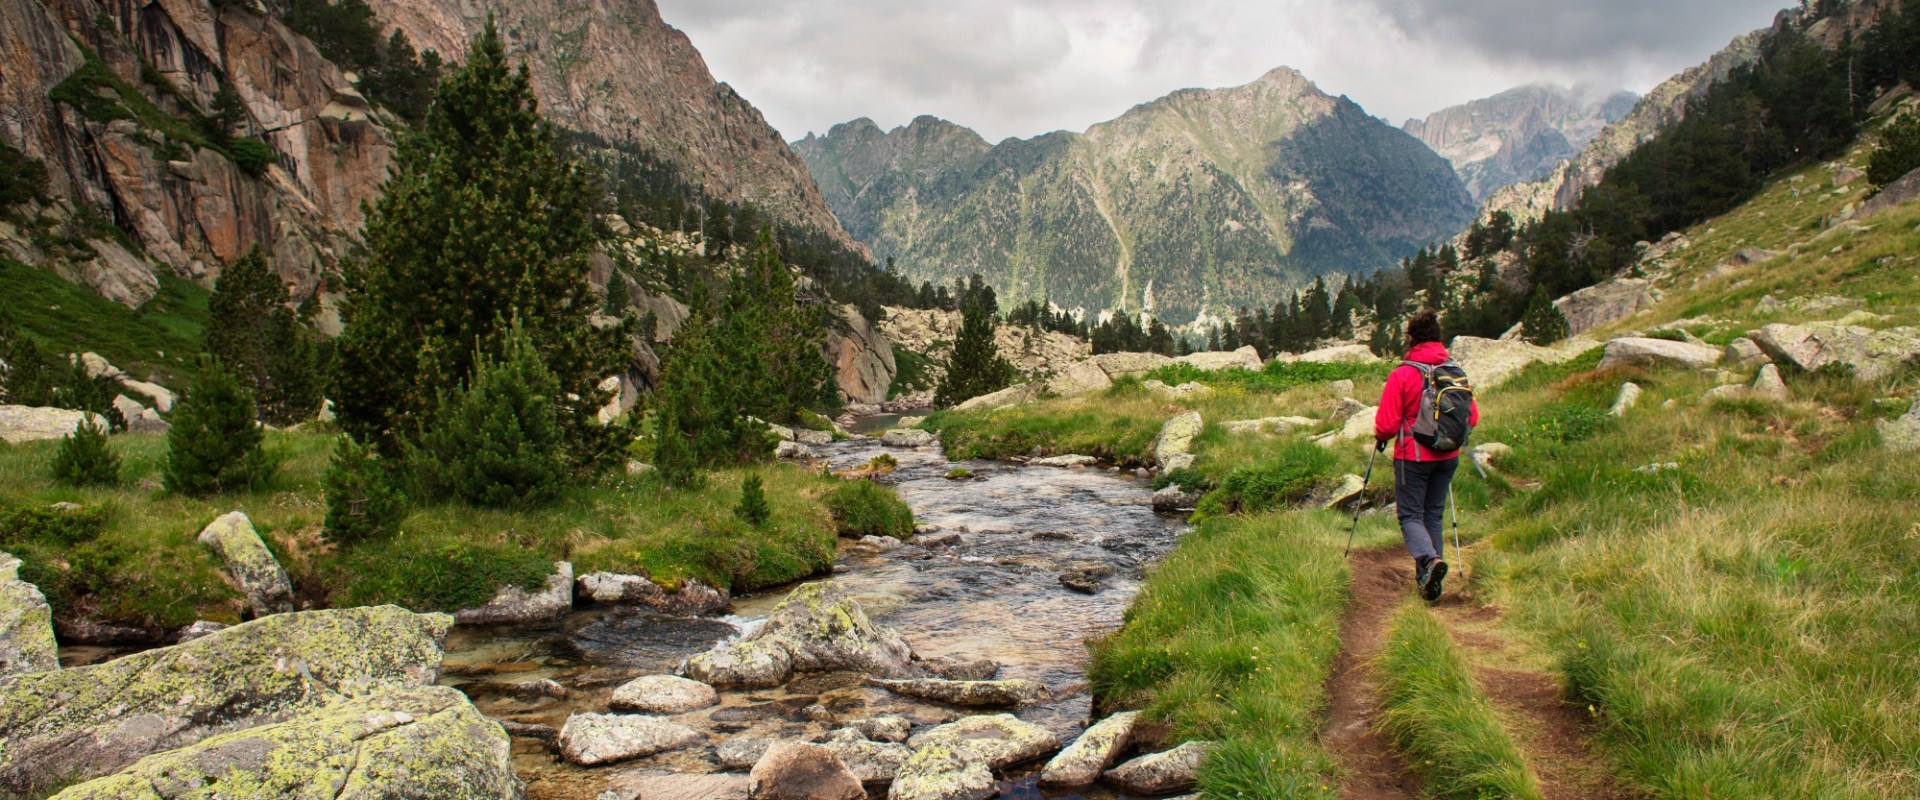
x=1284, y=479
x=1446, y=727
x=915, y=373
x=159, y=339
x=865, y=508
x=144, y=566
x=1275, y=377
x=1232, y=640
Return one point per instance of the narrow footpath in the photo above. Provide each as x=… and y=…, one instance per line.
x=1375, y=770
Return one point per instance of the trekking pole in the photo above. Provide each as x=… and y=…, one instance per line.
x=1362, y=502
x=1454, y=508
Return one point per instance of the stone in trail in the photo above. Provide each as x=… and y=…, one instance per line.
x=943, y=772
x=250, y=563
x=802, y=771
x=1173, y=450
x=589, y=739
x=512, y=605
x=1002, y=739
x=26, y=624
x=971, y=694
x=1083, y=761
x=664, y=694
x=423, y=743
x=85, y=722
x=1175, y=770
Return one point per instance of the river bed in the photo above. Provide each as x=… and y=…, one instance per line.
x=996, y=594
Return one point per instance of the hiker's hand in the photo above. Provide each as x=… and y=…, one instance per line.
x=1380, y=445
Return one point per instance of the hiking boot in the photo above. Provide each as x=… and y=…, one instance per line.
x=1420, y=566
x=1430, y=584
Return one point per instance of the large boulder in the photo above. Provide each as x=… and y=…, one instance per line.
x=1083, y=377
x=908, y=437
x=1606, y=303
x=1096, y=749
x=802, y=771
x=22, y=424
x=1247, y=358
x=1358, y=427
x=1638, y=352
x=1175, y=770
x=1873, y=355
x=663, y=694
x=870, y=761
x=424, y=743
x=1014, y=395
x=1174, y=447
x=972, y=694
x=693, y=598
x=943, y=772
x=1124, y=365
x=250, y=563
x=512, y=605
x=817, y=628
x=1002, y=739
x=589, y=739
x=26, y=624
x=85, y=722
x=1490, y=362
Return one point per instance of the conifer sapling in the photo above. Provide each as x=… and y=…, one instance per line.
x=85, y=459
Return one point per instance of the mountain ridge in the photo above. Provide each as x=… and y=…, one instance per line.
x=1521, y=134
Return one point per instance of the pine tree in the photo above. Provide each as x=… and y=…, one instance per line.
x=753, y=507
x=698, y=408
x=363, y=503
x=496, y=442
x=1898, y=152
x=485, y=212
x=26, y=374
x=84, y=458
x=769, y=344
x=215, y=443
x=1543, y=324
x=975, y=367
x=252, y=330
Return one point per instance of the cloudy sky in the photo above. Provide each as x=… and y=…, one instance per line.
x=1023, y=67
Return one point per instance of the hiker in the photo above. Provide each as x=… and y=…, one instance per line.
x=1426, y=455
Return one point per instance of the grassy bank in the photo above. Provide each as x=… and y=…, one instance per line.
x=1446, y=726
x=160, y=338
x=143, y=566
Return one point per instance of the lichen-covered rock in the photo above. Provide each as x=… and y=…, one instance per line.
x=742, y=752
x=802, y=771
x=825, y=630
x=1014, y=395
x=589, y=739
x=1002, y=739
x=943, y=772
x=1358, y=427
x=425, y=743
x=199, y=630
x=250, y=563
x=26, y=624
x=693, y=598
x=744, y=664
x=883, y=729
x=908, y=437
x=1173, y=498
x=512, y=605
x=1742, y=352
x=90, y=721
x=1636, y=352
x=1174, y=447
x=22, y=424
x=1083, y=761
x=1175, y=770
x=1347, y=491
x=1085, y=377
x=972, y=694
x=664, y=694
x=1903, y=435
x=1122, y=365
x=1873, y=355
x=871, y=762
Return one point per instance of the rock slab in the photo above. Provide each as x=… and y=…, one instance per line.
x=250, y=563
x=943, y=772
x=22, y=424
x=1175, y=770
x=1096, y=749
x=664, y=694
x=1003, y=740
x=589, y=739
x=802, y=771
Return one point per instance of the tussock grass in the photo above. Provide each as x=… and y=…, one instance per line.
x=1232, y=640
x=1448, y=729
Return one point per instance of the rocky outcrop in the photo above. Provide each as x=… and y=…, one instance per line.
x=425, y=743
x=1606, y=303
x=1342, y=354
x=26, y=624
x=1872, y=355
x=1175, y=770
x=1096, y=749
x=1633, y=352
x=250, y=563
x=817, y=628
x=88, y=722
x=663, y=694
x=1173, y=450
x=590, y=739
x=802, y=771
x=862, y=359
x=22, y=424
x=515, y=605
x=1520, y=134
x=943, y=772
x=931, y=333
x=971, y=694
x=1003, y=740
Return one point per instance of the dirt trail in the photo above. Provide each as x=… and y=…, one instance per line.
x=1552, y=731
x=1381, y=580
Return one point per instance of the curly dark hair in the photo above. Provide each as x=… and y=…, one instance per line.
x=1424, y=328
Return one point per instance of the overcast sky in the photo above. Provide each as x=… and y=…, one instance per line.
x=1024, y=67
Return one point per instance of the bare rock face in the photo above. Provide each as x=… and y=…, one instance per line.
x=1175, y=770
x=425, y=743
x=26, y=624
x=1083, y=761
x=87, y=722
x=862, y=359
x=250, y=563
x=590, y=739
x=1606, y=303
x=1491, y=362
x=664, y=694
x=513, y=605
x=801, y=771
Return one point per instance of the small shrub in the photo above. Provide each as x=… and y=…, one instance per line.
x=251, y=155
x=215, y=443
x=753, y=508
x=363, y=503
x=60, y=528
x=864, y=508
x=1543, y=324
x=1189, y=480
x=85, y=459
x=445, y=575
x=497, y=442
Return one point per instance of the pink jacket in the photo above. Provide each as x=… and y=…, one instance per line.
x=1400, y=403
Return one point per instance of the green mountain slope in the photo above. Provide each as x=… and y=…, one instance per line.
x=1199, y=202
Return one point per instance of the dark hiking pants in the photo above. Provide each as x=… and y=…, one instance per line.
x=1420, y=489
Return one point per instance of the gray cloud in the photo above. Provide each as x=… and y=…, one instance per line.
x=1024, y=67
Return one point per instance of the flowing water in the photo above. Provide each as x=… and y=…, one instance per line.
x=996, y=594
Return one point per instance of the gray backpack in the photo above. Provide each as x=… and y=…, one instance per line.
x=1445, y=419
